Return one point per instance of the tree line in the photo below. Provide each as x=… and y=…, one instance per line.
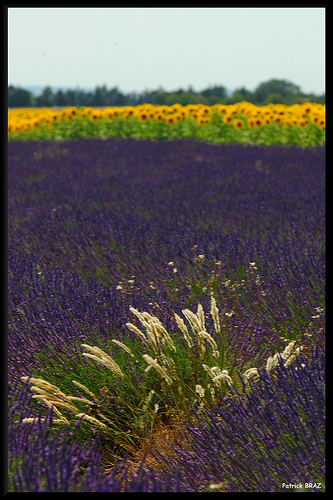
x=273, y=91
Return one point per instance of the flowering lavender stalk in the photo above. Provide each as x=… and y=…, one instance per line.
x=273, y=434
x=45, y=458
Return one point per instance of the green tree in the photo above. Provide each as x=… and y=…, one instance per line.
x=282, y=87
x=183, y=98
x=100, y=96
x=46, y=99
x=19, y=98
x=215, y=93
x=159, y=97
x=239, y=95
x=60, y=99
x=115, y=98
x=274, y=98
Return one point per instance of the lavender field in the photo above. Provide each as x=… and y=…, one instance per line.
x=101, y=229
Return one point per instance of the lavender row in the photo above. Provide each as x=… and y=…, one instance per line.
x=94, y=200
x=279, y=423
x=95, y=225
x=87, y=215
x=45, y=459
x=273, y=436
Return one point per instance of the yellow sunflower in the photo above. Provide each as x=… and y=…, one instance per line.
x=143, y=116
x=170, y=119
x=228, y=118
x=223, y=109
x=238, y=124
x=254, y=122
x=205, y=110
x=108, y=113
x=302, y=122
x=202, y=120
x=159, y=117
x=321, y=123
x=96, y=114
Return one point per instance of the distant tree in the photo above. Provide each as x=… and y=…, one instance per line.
x=274, y=91
x=235, y=97
x=146, y=96
x=283, y=87
x=131, y=99
x=184, y=98
x=19, y=98
x=76, y=97
x=71, y=98
x=60, y=99
x=301, y=98
x=239, y=95
x=89, y=97
x=215, y=92
x=274, y=98
x=115, y=98
x=159, y=97
x=46, y=99
x=100, y=96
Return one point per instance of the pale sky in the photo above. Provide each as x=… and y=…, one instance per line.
x=137, y=49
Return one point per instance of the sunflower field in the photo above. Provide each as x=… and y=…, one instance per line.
x=166, y=299
x=243, y=122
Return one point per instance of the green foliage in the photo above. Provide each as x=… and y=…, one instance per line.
x=214, y=132
x=102, y=96
x=19, y=98
x=282, y=87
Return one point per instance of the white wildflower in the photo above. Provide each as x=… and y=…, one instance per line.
x=287, y=351
x=200, y=390
x=150, y=395
x=90, y=419
x=208, y=370
x=127, y=349
x=193, y=320
x=56, y=402
x=201, y=316
x=224, y=376
x=183, y=328
x=84, y=388
x=136, y=330
x=272, y=361
x=44, y=384
x=251, y=372
x=215, y=314
x=159, y=368
x=290, y=360
x=216, y=486
x=35, y=420
x=212, y=342
x=212, y=391
x=137, y=314
x=102, y=357
x=164, y=334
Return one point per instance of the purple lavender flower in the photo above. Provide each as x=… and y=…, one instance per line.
x=272, y=434
x=87, y=215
